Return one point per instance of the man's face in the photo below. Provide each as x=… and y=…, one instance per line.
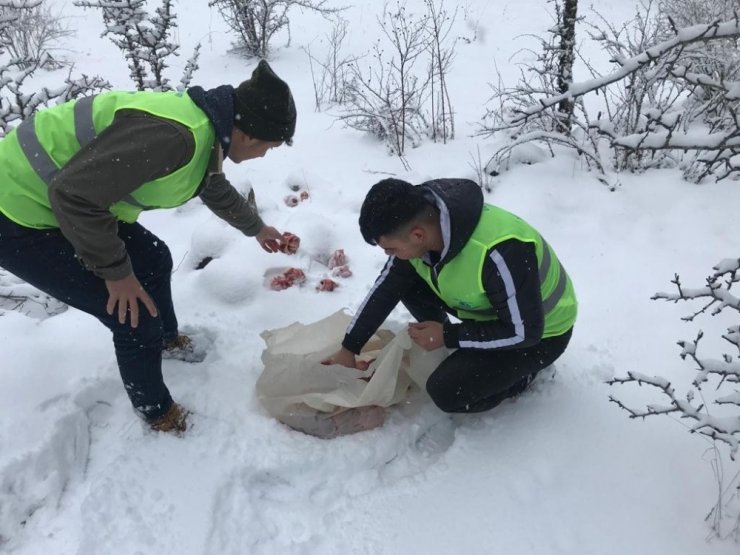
x=404, y=246
x=243, y=147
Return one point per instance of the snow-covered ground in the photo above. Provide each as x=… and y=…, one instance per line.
x=560, y=470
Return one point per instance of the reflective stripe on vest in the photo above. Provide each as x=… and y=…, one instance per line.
x=35, y=152
x=552, y=299
x=548, y=304
x=39, y=159
x=458, y=283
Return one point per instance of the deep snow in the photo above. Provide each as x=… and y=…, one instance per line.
x=560, y=470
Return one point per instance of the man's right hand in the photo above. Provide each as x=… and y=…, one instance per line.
x=269, y=239
x=126, y=293
x=343, y=357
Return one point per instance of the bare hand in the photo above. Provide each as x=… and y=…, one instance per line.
x=269, y=238
x=343, y=357
x=428, y=335
x=126, y=293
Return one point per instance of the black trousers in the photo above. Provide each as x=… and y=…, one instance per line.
x=476, y=380
x=46, y=260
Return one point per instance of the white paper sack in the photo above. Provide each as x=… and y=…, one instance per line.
x=294, y=376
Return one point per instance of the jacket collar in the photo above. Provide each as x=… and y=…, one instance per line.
x=460, y=202
x=218, y=105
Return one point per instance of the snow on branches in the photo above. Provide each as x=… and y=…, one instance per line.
x=668, y=110
x=144, y=40
x=564, y=122
x=726, y=370
x=717, y=289
x=717, y=418
x=26, y=299
x=15, y=103
x=650, y=57
x=686, y=110
x=257, y=21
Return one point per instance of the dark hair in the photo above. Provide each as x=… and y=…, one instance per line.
x=389, y=205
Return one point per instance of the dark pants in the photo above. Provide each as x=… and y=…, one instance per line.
x=46, y=260
x=476, y=380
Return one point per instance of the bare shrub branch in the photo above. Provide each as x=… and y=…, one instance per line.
x=401, y=95
x=654, y=100
x=144, y=39
x=21, y=297
x=330, y=74
x=33, y=34
x=387, y=98
x=566, y=122
x=17, y=104
x=719, y=418
x=255, y=22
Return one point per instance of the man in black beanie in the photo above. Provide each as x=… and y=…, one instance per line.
x=264, y=106
x=75, y=177
x=256, y=116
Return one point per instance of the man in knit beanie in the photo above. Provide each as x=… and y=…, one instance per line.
x=254, y=117
x=264, y=107
x=91, y=166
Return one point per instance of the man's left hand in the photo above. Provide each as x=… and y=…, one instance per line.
x=428, y=335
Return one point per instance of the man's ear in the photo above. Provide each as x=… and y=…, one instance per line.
x=241, y=137
x=417, y=234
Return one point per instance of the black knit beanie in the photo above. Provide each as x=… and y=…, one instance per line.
x=263, y=106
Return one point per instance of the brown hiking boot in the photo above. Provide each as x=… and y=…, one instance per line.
x=183, y=348
x=173, y=421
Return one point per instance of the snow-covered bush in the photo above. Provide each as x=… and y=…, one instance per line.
x=712, y=402
x=15, y=102
x=566, y=122
x=650, y=116
x=401, y=96
x=22, y=297
x=256, y=21
x=144, y=40
x=627, y=103
x=719, y=61
x=32, y=37
x=684, y=109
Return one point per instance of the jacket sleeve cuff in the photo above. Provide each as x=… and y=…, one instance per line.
x=352, y=345
x=116, y=272
x=253, y=228
x=451, y=334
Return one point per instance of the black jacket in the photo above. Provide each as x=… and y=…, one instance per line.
x=510, y=277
